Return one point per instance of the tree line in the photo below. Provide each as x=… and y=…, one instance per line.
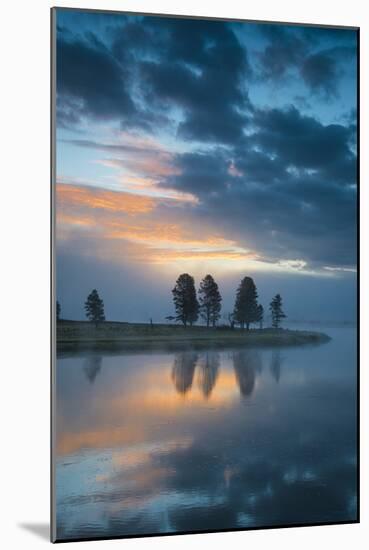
x=94, y=308
x=189, y=305
x=207, y=305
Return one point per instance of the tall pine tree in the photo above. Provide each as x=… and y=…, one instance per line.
x=210, y=301
x=94, y=307
x=185, y=300
x=260, y=316
x=277, y=311
x=245, y=308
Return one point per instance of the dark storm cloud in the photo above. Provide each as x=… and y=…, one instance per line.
x=300, y=51
x=286, y=191
x=212, y=43
x=173, y=72
x=93, y=82
x=201, y=173
x=304, y=142
x=134, y=38
x=320, y=73
x=284, y=49
x=315, y=223
x=321, y=227
x=274, y=179
x=207, y=117
x=282, y=139
x=79, y=63
x=203, y=77
x=260, y=168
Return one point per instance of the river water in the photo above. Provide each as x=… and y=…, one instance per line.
x=171, y=442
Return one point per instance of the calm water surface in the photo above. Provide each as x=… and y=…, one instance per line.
x=165, y=442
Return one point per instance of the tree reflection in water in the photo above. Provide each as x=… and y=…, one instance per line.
x=276, y=364
x=92, y=367
x=246, y=364
x=208, y=373
x=183, y=371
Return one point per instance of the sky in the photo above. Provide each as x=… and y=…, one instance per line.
x=198, y=146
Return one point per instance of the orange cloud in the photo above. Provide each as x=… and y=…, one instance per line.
x=139, y=228
x=70, y=196
x=162, y=257
x=162, y=243
x=156, y=164
x=151, y=188
x=137, y=156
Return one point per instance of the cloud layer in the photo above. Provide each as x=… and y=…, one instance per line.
x=233, y=131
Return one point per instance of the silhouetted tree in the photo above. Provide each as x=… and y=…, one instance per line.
x=260, y=315
x=183, y=371
x=245, y=308
x=276, y=311
x=94, y=307
x=58, y=310
x=210, y=300
x=185, y=301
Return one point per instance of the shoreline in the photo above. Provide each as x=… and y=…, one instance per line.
x=114, y=336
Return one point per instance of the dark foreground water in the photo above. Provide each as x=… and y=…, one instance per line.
x=165, y=442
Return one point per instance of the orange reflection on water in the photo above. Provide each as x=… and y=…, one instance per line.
x=137, y=410
x=69, y=441
x=138, y=407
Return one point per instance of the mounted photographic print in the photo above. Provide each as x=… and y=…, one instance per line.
x=204, y=271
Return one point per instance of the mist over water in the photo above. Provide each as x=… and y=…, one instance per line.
x=198, y=440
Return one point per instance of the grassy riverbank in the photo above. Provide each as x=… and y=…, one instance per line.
x=113, y=335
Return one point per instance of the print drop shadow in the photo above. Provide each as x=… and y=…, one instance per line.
x=42, y=530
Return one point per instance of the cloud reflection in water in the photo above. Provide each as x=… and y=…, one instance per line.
x=207, y=440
